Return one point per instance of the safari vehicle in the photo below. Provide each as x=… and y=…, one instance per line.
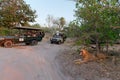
x=58, y=38
x=27, y=35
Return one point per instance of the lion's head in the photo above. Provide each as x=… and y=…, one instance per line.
x=83, y=52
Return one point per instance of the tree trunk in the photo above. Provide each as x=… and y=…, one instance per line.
x=97, y=46
x=107, y=45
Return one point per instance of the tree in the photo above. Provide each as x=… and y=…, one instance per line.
x=49, y=20
x=56, y=22
x=73, y=29
x=36, y=25
x=14, y=12
x=96, y=18
x=62, y=22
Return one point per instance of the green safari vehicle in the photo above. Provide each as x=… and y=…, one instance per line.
x=27, y=35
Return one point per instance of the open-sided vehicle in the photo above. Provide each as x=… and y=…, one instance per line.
x=27, y=35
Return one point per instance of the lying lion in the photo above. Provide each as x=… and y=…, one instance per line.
x=88, y=57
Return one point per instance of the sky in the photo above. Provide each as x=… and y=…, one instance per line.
x=56, y=8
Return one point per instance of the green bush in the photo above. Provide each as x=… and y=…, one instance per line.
x=4, y=31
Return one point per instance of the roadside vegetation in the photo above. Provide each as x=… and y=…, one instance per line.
x=96, y=28
x=97, y=22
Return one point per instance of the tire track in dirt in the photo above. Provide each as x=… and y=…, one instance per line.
x=30, y=63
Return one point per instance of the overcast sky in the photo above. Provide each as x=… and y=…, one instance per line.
x=57, y=8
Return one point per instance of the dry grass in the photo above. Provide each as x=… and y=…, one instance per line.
x=101, y=70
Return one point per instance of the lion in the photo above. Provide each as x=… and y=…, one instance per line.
x=88, y=57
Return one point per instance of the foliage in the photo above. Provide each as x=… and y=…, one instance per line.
x=13, y=12
x=36, y=25
x=4, y=31
x=55, y=22
x=50, y=30
x=62, y=22
x=98, y=19
x=73, y=29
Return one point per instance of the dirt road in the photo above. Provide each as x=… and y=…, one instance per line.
x=31, y=63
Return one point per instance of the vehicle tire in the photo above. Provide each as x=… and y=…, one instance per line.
x=8, y=44
x=59, y=42
x=51, y=42
x=34, y=42
x=27, y=43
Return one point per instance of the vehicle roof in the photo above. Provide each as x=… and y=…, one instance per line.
x=27, y=28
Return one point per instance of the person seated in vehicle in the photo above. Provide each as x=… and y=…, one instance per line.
x=28, y=34
x=33, y=33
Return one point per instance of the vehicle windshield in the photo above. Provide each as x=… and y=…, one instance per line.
x=57, y=36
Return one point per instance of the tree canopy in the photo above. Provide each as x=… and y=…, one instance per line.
x=13, y=12
x=97, y=19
